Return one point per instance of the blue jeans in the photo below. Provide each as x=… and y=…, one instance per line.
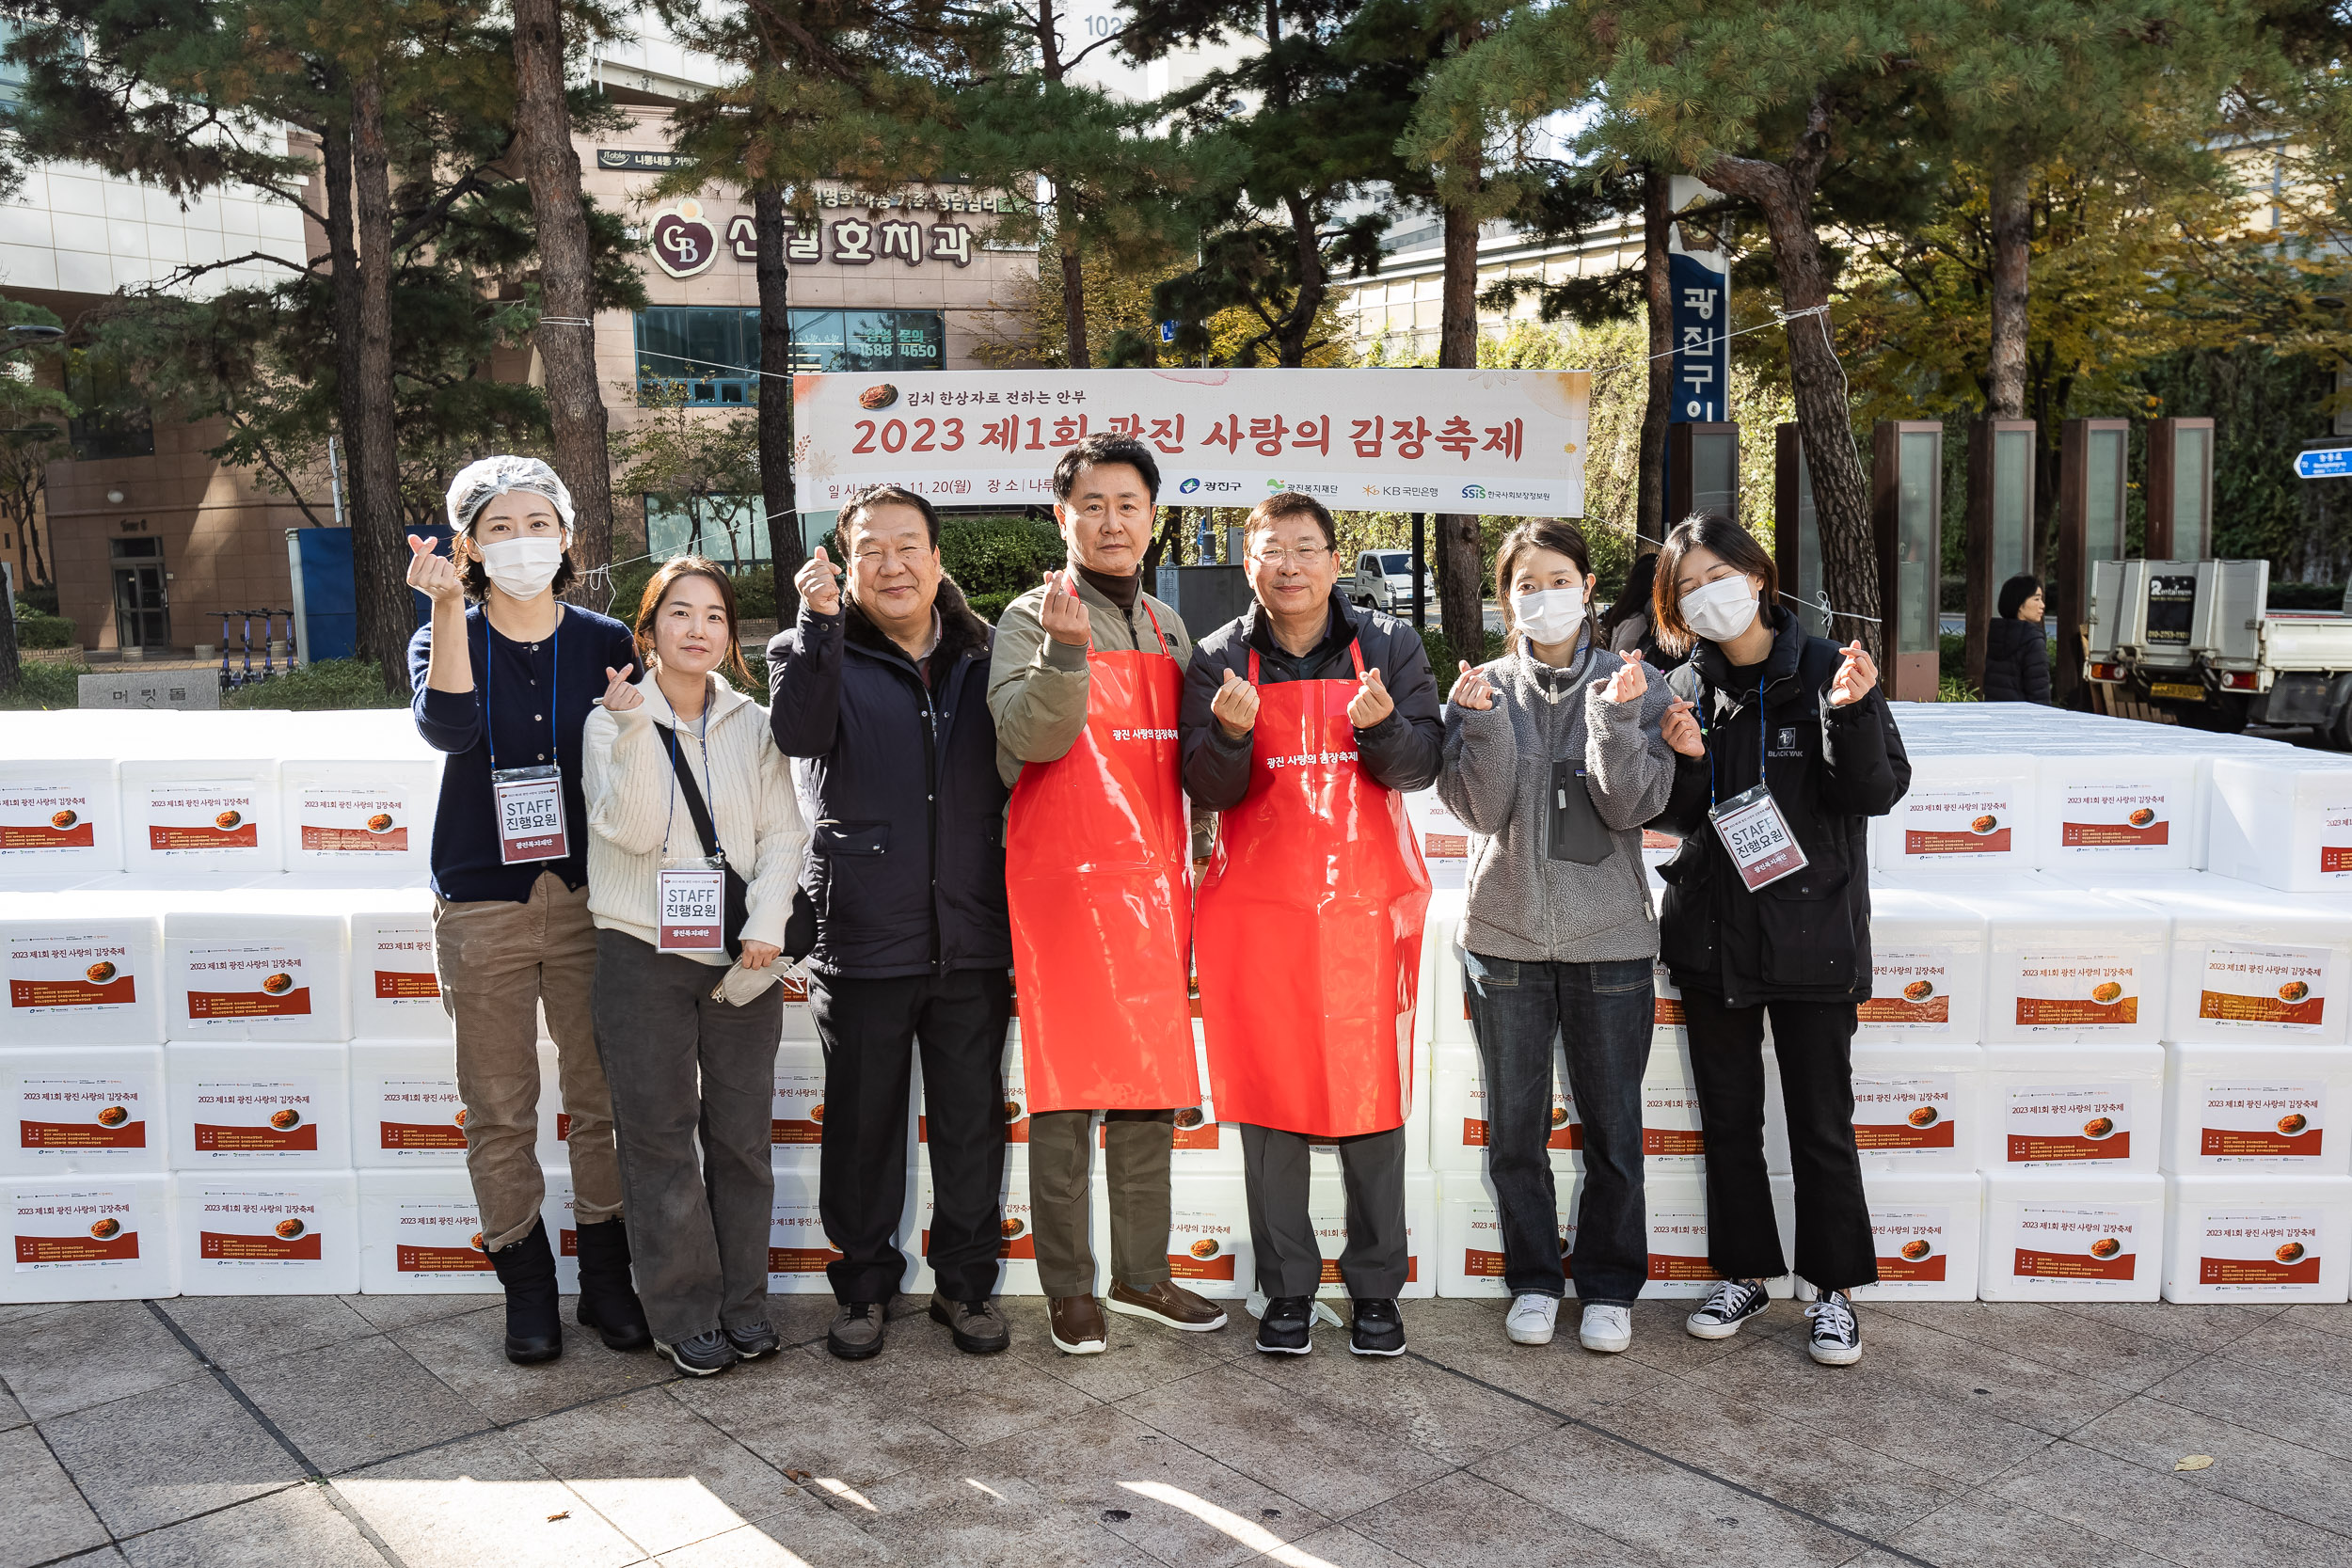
x=1602, y=1013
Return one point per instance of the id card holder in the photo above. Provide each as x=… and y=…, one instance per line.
x=530, y=806
x=1757, y=837
x=692, y=903
x=1573, y=830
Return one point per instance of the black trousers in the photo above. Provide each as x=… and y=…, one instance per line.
x=1814, y=1042
x=869, y=1030
x=1276, y=1167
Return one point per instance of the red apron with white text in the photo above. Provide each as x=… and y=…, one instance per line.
x=1309, y=929
x=1098, y=851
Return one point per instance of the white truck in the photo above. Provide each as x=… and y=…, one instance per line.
x=2199, y=639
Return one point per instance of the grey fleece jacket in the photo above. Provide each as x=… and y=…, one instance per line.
x=1523, y=904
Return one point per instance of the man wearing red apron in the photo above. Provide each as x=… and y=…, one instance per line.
x=1084, y=683
x=1304, y=721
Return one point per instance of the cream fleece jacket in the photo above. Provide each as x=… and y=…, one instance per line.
x=633, y=798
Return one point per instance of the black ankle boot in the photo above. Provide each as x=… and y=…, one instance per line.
x=607, y=1302
x=535, y=1327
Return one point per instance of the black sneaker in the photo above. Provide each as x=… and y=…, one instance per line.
x=753, y=1339
x=856, y=1333
x=979, y=1328
x=1287, y=1328
x=705, y=1355
x=1836, y=1332
x=1378, y=1329
x=1734, y=1302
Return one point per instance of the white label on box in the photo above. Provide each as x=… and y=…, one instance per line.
x=796, y=1240
x=2258, y=1252
x=397, y=963
x=419, y=1115
x=38, y=821
x=2073, y=989
x=62, y=1231
x=2261, y=1123
x=230, y=985
x=796, y=1109
x=1201, y=1243
x=2282, y=989
x=1481, y=1252
x=1670, y=1122
x=2071, y=1123
x=1958, y=820
x=1913, y=1114
x=268, y=1118
x=2335, y=842
x=1912, y=1244
x=349, y=824
x=1677, y=1244
x=248, y=1230
x=69, y=974
x=2115, y=816
x=1666, y=999
x=439, y=1238
x=1911, y=990
x=2074, y=1243
x=65, y=1114
x=1443, y=835
x=205, y=817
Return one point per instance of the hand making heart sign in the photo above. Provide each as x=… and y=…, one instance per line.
x=1063, y=615
x=1471, y=688
x=1372, y=702
x=619, y=695
x=1630, y=680
x=1856, y=677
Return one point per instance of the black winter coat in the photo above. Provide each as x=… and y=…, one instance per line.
x=1806, y=936
x=2016, y=663
x=906, y=855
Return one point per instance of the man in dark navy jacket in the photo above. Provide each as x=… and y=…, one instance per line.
x=884, y=690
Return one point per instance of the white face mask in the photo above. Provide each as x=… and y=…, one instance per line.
x=1721, y=610
x=522, y=568
x=1549, y=616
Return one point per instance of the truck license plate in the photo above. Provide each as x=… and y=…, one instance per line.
x=2176, y=690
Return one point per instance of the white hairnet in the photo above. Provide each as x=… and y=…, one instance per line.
x=477, y=483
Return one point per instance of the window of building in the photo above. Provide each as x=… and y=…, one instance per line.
x=733, y=532
x=710, y=355
x=113, y=421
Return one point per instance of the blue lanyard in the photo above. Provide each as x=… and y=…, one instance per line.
x=555, y=688
x=702, y=735
x=1763, y=773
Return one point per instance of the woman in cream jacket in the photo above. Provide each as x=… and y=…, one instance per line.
x=686, y=1033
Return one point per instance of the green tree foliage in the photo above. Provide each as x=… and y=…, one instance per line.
x=690, y=461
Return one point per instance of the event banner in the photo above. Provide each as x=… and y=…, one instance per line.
x=1509, y=443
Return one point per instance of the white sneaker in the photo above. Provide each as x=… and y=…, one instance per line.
x=1607, y=1327
x=1531, y=1318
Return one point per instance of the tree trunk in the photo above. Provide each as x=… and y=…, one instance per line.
x=1298, y=326
x=1460, y=594
x=2004, y=389
x=1074, y=284
x=566, y=341
x=379, y=552
x=11, y=671
x=1651, y=522
x=384, y=619
x=777, y=489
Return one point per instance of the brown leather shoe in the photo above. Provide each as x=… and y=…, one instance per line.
x=1076, y=1325
x=1171, y=1306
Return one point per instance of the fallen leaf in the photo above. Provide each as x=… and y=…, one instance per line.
x=553, y=1517
x=2196, y=1462
x=796, y=1476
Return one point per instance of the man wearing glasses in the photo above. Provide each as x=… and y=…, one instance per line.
x=1304, y=722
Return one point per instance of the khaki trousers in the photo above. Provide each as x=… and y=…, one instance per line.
x=497, y=961
x=1061, y=1160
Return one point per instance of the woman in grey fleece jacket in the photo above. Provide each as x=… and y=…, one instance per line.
x=1553, y=759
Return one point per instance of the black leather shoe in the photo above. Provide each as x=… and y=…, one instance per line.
x=1287, y=1328
x=608, y=1301
x=753, y=1339
x=534, y=1323
x=1378, y=1329
x=707, y=1354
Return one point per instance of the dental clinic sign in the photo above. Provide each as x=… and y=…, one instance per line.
x=1506, y=443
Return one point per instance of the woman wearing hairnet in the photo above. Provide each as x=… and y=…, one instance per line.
x=503, y=686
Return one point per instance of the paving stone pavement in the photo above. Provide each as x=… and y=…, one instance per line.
x=381, y=1432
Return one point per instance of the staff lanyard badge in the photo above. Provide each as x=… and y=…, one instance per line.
x=693, y=889
x=1755, y=833
x=529, y=800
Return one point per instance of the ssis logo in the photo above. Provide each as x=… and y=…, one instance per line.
x=1188, y=486
x=1473, y=492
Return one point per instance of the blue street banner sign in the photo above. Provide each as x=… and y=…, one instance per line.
x=1702, y=320
x=1168, y=332
x=2324, y=462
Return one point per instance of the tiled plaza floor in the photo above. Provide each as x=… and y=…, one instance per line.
x=367, y=1430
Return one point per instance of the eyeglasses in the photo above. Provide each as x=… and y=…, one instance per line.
x=888, y=559
x=1312, y=555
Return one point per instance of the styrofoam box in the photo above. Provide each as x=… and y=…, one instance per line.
x=367, y=823
x=1444, y=838
x=1677, y=1204
x=268, y=1233
x=1209, y=1251
x=796, y=1117
x=800, y=1021
x=1963, y=814
x=81, y=969
x=1917, y=1108
x=2145, y=811
x=251, y=1106
x=1448, y=1012
x=2067, y=1236
x=1927, y=1229
x=418, y=1234
x=1459, y=1123
x=1669, y=1025
x=1928, y=966
x=797, y=1248
x=206, y=815
x=2282, y=820
x=395, y=986
x=556, y=1214
x=1470, y=1234
x=2066, y=964
x=2257, y=1110
x=60, y=816
x=2063, y=1108
x=89, y=1238
x=258, y=966
x=406, y=1111
x=82, y=1110
x=2258, y=1237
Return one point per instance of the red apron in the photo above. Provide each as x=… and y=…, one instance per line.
x=1309, y=929
x=1098, y=850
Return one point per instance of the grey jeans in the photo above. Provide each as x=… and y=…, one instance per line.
x=1276, y=1166
x=682, y=1065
